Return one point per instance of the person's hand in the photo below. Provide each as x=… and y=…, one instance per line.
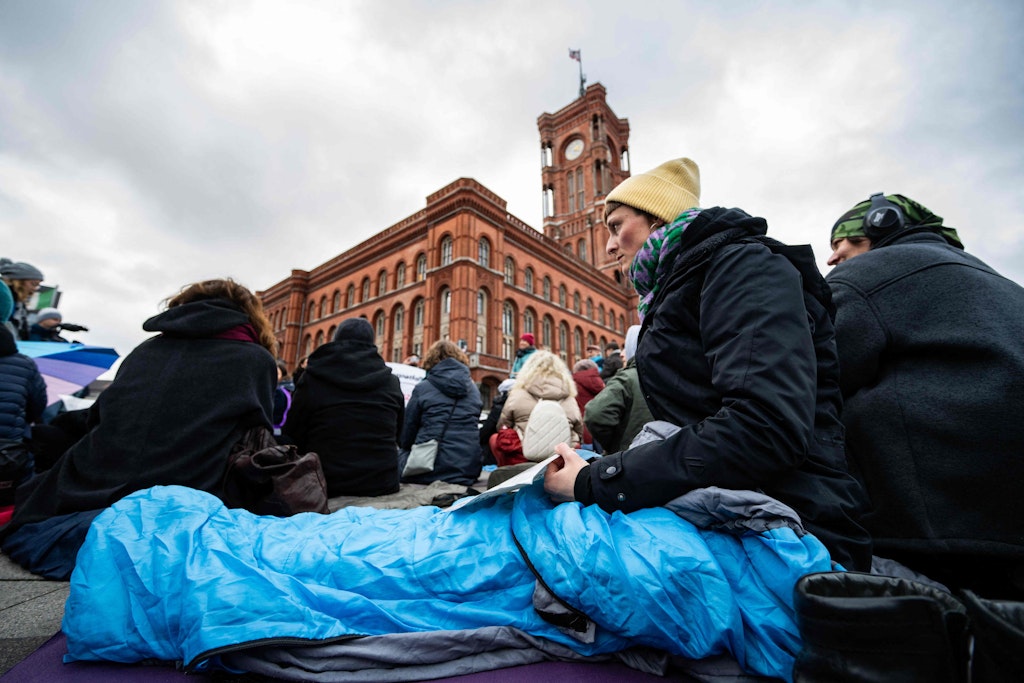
x=560, y=475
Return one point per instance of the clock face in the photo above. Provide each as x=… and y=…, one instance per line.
x=574, y=150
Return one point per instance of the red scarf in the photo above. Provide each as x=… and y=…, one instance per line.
x=246, y=333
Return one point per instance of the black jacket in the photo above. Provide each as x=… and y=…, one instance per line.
x=179, y=402
x=931, y=345
x=446, y=406
x=738, y=349
x=348, y=408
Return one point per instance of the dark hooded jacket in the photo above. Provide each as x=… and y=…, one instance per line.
x=348, y=408
x=738, y=349
x=931, y=346
x=179, y=402
x=22, y=389
x=445, y=406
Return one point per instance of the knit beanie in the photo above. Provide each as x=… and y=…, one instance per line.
x=6, y=302
x=20, y=271
x=48, y=314
x=528, y=338
x=665, y=192
x=851, y=223
x=359, y=329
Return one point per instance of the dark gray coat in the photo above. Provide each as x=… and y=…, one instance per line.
x=931, y=346
x=445, y=406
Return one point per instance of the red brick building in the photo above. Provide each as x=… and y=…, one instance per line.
x=465, y=269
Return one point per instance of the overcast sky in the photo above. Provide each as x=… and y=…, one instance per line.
x=146, y=145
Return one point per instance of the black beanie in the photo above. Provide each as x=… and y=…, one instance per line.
x=354, y=328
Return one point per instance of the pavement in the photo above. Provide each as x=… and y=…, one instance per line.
x=31, y=609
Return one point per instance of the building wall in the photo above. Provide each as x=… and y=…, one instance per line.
x=475, y=289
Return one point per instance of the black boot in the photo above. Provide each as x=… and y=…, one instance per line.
x=998, y=628
x=861, y=627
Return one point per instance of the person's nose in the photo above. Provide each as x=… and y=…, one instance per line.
x=837, y=257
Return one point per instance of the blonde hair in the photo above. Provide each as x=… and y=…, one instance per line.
x=543, y=364
x=237, y=294
x=21, y=289
x=443, y=349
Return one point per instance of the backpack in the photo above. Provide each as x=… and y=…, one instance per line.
x=547, y=427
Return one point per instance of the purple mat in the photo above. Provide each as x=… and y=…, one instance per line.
x=45, y=666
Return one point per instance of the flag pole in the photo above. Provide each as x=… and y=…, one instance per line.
x=577, y=55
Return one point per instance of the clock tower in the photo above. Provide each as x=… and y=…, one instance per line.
x=584, y=154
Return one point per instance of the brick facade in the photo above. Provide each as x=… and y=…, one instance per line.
x=465, y=269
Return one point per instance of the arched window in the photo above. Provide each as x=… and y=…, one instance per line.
x=417, y=315
x=323, y=306
x=351, y=296
x=446, y=250
x=581, y=249
x=600, y=315
x=481, y=320
x=398, y=340
x=547, y=288
x=579, y=187
x=445, y=313
x=366, y=289
x=508, y=330
x=510, y=271
x=622, y=324
x=336, y=302
x=331, y=331
x=545, y=331
x=399, y=320
x=382, y=283
x=563, y=341
x=319, y=339
x=529, y=324
x=307, y=345
x=577, y=342
x=483, y=255
x=590, y=308
x=571, y=183
x=421, y=267
x=400, y=276
x=528, y=280
x=378, y=327
x=561, y=295
x=576, y=302
x=311, y=313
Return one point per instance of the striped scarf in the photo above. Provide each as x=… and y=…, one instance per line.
x=656, y=258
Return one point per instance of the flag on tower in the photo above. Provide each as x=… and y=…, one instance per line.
x=574, y=54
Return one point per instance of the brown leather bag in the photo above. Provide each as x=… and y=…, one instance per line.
x=269, y=479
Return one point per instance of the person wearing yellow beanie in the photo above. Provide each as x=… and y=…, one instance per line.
x=737, y=349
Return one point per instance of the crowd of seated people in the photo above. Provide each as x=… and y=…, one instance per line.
x=879, y=403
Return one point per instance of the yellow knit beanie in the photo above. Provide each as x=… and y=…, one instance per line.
x=665, y=192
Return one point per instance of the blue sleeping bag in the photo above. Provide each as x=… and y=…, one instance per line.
x=170, y=573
